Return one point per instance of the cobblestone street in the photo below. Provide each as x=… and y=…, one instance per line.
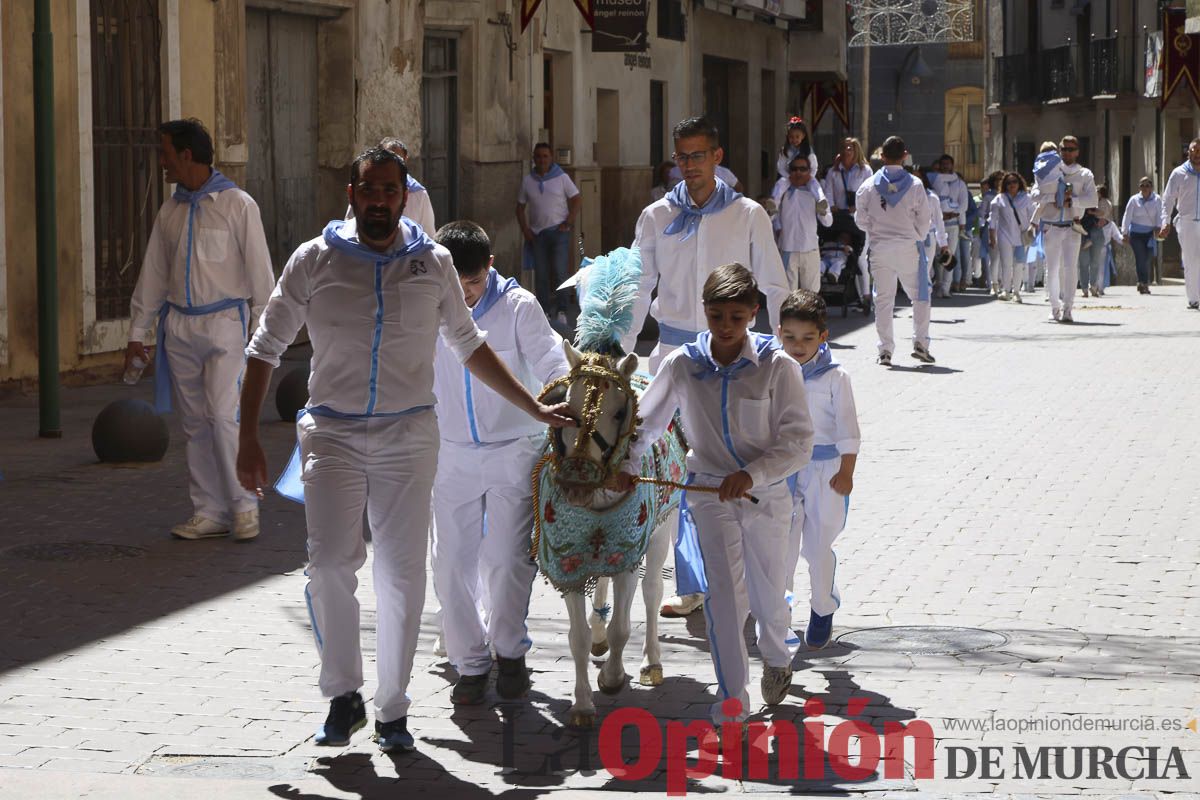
x=1040, y=483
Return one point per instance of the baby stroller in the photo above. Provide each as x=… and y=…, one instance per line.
x=844, y=288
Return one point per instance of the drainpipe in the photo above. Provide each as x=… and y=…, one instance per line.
x=47, y=235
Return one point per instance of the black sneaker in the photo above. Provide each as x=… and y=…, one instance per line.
x=346, y=715
x=394, y=736
x=512, y=680
x=469, y=690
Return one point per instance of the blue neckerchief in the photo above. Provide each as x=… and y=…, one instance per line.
x=890, y=187
x=216, y=183
x=1045, y=162
x=688, y=221
x=700, y=353
x=820, y=363
x=496, y=288
x=554, y=171
x=414, y=185
x=411, y=241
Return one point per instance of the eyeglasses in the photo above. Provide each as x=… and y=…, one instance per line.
x=798, y=168
x=1070, y=149
x=698, y=157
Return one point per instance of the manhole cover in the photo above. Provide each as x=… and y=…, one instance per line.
x=73, y=551
x=923, y=639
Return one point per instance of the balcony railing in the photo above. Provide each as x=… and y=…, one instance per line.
x=1105, y=67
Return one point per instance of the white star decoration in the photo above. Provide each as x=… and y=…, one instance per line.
x=883, y=22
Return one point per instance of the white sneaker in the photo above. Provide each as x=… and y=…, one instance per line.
x=884, y=358
x=199, y=527
x=1066, y=316
x=245, y=525
x=1016, y=296
x=1055, y=314
x=1002, y=296
x=439, y=647
x=681, y=606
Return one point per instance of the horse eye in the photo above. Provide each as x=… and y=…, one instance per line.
x=620, y=414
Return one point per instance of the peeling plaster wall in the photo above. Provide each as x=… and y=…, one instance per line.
x=388, y=72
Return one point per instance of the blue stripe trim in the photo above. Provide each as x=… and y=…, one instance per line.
x=237, y=412
x=675, y=337
x=187, y=265
x=725, y=421
x=823, y=452
x=374, y=385
x=470, y=406
x=312, y=617
x=325, y=411
x=712, y=639
x=923, y=287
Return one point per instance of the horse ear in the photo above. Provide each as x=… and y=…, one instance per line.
x=573, y=355
x=628, y=365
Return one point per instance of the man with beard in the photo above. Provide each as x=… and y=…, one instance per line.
x=373, y=291
x=206, y=257
x=1075, y=191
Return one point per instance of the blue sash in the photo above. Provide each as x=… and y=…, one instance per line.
x=675, y=337
x=162, y=365
x=689, y=561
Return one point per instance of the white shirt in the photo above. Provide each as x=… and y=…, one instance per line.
x=906, y=220
x=373, y=326
x=229, y=259
x=937, y=226
x=741, y=232
x=797, y=218
x=951, y=192
x=546, y=209
x=831, y=407
x=1112, y=232
x=724, y=173
x=518, y=332
x=1083, y=193
x=765, y=411
x=841, y=185
x=1008, y=223
x=1142, y=211
x=1180, y=194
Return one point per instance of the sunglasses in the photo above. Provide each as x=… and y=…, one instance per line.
x=1070, y=149
x=798, y=169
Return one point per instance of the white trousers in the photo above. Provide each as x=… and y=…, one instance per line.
x=1011, y=272
x=482, y=500
x=804, y=270
x=1189, y=246
x=742, y=543
x=385, y=464
x=207, y=356
x=818, y=516
x=892, y=263
x=1062, y=265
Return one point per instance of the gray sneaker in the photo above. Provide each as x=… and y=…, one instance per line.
x=885, y=358
x=776, y=681
x=921, y=353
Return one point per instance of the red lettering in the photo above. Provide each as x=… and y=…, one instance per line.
x=893, y=747
x=787, y=741
x=868, y=750
x=814, y=740
x=649, y=743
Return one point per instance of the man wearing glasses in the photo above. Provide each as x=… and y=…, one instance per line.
x=701, y=224
x=801, y=203
x=1076, y=189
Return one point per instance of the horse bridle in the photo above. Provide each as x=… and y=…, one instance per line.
x=581, y=469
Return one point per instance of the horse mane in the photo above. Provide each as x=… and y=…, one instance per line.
x=606, y=303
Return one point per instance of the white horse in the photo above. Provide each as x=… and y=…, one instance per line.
x=587, y=533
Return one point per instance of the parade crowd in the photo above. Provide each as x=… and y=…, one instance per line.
x=427, y=364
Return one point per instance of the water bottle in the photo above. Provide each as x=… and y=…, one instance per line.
x=136, y=365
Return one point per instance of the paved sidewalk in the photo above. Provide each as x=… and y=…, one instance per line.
x=1040, y=483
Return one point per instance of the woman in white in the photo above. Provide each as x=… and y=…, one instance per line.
x=850, y=170
x=1139, y=226
x=1010, y=214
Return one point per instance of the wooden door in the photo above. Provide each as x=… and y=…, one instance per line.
x=281, y=111
x=439, y=125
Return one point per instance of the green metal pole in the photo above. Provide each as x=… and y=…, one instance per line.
x=47, y=232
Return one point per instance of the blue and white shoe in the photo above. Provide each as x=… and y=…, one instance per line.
x=394, y=736
x=347, y=714
x=820, y=629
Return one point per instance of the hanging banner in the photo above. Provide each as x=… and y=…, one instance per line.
x=1154, y=64
x=620, y=26
x=1181, y=55
x=586, y=9
x=528, y=9
x=834, y=96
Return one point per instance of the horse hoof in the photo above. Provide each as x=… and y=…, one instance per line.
x=582, y=720
x=611, y=689
x=651, y=675
x=599, y=648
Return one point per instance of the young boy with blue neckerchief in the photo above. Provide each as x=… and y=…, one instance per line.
x=742, y=402
x=482, y=496
x=821, y=491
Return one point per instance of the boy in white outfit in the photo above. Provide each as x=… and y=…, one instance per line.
x=374, y=292
x=821, y=491
x=742, y=402
x=482, y=497
x=802, y=204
